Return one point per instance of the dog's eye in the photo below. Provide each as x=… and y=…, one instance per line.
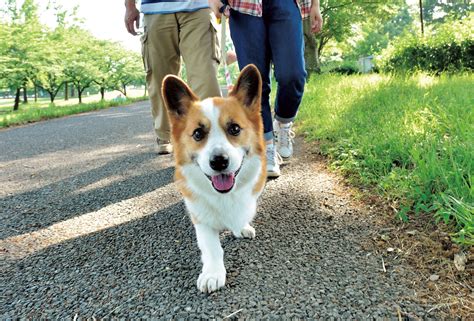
x=234, y=129
x=199, y=134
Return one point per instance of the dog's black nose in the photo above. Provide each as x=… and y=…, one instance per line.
x=219, y=162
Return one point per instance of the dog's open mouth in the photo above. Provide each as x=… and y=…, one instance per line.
x=224, y=182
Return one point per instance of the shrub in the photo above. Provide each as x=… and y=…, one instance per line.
x=449, y=48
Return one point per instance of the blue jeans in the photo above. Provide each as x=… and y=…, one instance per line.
x=276, y=37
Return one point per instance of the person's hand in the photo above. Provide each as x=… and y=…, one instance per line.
x=132, y=17
x=216, y=6
x=316, y=19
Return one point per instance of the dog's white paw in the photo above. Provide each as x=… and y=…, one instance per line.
x=211, y=280
x=248, y=232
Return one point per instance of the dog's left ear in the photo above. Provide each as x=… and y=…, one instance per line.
x=248, y=88
x=177, y=96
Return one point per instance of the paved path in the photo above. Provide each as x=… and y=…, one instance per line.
x=92, y=226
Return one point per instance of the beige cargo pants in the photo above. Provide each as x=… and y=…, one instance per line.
x=166, y=38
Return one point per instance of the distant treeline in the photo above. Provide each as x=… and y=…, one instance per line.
x=35, y=57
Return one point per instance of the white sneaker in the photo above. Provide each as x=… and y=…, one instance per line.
x=164, y=146
x=273, y=161
x=284, y=138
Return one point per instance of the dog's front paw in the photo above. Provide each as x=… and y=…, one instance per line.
x=211, y=280
x=248, y=232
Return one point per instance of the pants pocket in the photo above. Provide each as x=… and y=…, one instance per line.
x=145, y=54
x=216, y=50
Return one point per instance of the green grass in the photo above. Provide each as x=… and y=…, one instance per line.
x=409, y=139
x=35, y=112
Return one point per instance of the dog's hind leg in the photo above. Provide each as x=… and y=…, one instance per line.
x=213, y=272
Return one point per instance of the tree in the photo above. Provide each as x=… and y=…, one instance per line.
x=107, y=58
x=339, y=20
x=80, y=66
x=129, y=70
x=435, y=11
x=375, y=34
x=22, y=46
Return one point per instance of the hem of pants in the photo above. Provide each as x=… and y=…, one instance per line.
x=268, y=136
x=284, y=120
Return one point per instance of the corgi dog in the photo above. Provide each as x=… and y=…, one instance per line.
x=220, y=163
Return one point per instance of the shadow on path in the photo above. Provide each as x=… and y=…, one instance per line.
x=38, y=208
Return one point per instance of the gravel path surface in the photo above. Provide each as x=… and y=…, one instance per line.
x=92, y=226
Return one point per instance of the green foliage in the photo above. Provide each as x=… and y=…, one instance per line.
x=21, y=45
x=340, y=19
x=435, y=11
x=409, y=138
x=449, y=47
x=347, y=67
x=33, y=55
x=375, y=34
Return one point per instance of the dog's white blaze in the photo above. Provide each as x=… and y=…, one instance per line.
x=217, y=141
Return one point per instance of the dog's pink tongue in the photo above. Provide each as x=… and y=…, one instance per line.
x=223, y=182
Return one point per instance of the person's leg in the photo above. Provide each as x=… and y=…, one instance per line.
x=249, y=35
x=161, y=57
x=199, y=48
x=285, y=32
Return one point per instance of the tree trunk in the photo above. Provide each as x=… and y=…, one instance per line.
x=17, y=100
x=79, y=93
x=51, y=96
x=25, y=95
x=36, y=93
x=125, y=90
x=102, y=93
x=421, y=19
x=66, y=91
x=145, y=90
x=311, y=55
x=72, y=91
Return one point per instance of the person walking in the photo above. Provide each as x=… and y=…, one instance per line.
x=266, y=32
x=175, y=29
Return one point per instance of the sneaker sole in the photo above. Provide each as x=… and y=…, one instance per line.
x=165, y=150
x=273, y=175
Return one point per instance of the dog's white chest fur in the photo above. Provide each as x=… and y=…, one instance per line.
x=231, y=211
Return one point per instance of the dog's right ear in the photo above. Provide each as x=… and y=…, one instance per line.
x=177, y=96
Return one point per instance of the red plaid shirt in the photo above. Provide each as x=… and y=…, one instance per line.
x=254, y=7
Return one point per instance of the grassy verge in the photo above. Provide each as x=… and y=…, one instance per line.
x=412, y=139
x=32, y=113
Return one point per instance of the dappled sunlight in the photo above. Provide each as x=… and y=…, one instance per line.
x=421, y=122
x=425, y=81
x=375, y=79
x=106, y=181
x=36, y=172
x=119, y=115
x=20, y=246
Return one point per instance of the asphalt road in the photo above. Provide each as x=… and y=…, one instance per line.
x=92, y=226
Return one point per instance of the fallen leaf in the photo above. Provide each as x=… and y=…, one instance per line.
x=434, y=277
x=460, y=261
x=385, y=237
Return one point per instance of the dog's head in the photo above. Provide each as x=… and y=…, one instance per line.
x=216, y=135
